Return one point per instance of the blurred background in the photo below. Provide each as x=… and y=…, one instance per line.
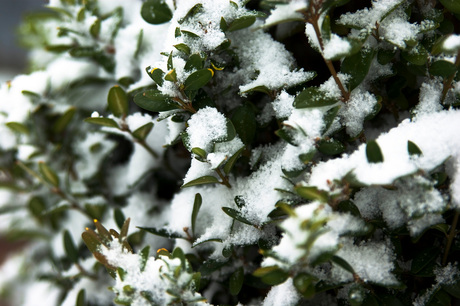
x=12, y=56
x=12, y=62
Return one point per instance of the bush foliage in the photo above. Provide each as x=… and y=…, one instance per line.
x=223, y=152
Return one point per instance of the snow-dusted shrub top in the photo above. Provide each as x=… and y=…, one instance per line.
x=245, y=178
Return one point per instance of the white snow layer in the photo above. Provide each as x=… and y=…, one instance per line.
x=436, y=136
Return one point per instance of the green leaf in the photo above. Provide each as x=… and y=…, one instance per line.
x=92, y=241
x=153, y=100
x=198, y=79
x=272, y=275
x=244, y=120
x=156, y=12
x=330, y=147
x=311, y=193
x=189, y=34
x=171, y=76
x=439, y=177
x=183, y=48
x=201, y=181
x=140, y=39
x=373, y=152
x=350, y=207
x=418, y=55
x=95, y=28
x=200, y=152
x=58, y=48
x=196, y=208
x=241, y=23
x=443, y=69
x=210, y=266
x=287, y=134
x=169, y=63
x=329, y=117
x=17, y=127
x=236, y=281
x=313, y=97
x=102, y=121
x=70, y=247
x=83, y=52
x=195, y=244
x=328, y=4
x=119, y=217
x=223, y=24
x=231, y=133
x=236, y=215
x=37, y=207
x=194, y=62
x=423, y=259
x=304, y=283
x=232, y=160
x=48, y=174
x=142, y=132
x=342, y=263
x=192, y=12
x=451, y=5
x=413, y=149
x=118, y=101
x=385, y=56
x=262, y=88
x=81, y=298
x=64, y=120
x=156, y=74
x=453, y=288
x=162, y=232
x=357, y=66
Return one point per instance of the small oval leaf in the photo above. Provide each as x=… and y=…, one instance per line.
x=198, y=79
x=153, y=100
x=373, y=152
x=236, y=281
x=313, y=97
x=201, y=181
x=413, y=149
x=142, y=132
x=118, y=101
x=236, y=215
x=48, y=174
x=70, y=247
x=102, y=121
x=241, y=23
x=156, y=12
x=195, y=210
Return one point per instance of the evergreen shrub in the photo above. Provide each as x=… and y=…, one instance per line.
x=264, y=152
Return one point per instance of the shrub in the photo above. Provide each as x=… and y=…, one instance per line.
x=273, y=152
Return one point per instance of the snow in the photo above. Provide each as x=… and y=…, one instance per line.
x=283, y=294
x=205, y=127
x=360, y=105
x=434, y=135
x=371, y=261
x=452, y=43
x=292, y=246
x=272, y=74
x=285, y=12
x=336, y=47
x=414, y=202
x=283, y=105
x=366, y=18
x=430, y=97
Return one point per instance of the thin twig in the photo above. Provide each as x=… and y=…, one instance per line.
x=450, y=238
x=224, y=178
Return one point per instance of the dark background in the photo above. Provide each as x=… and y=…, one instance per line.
x=12, y=56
